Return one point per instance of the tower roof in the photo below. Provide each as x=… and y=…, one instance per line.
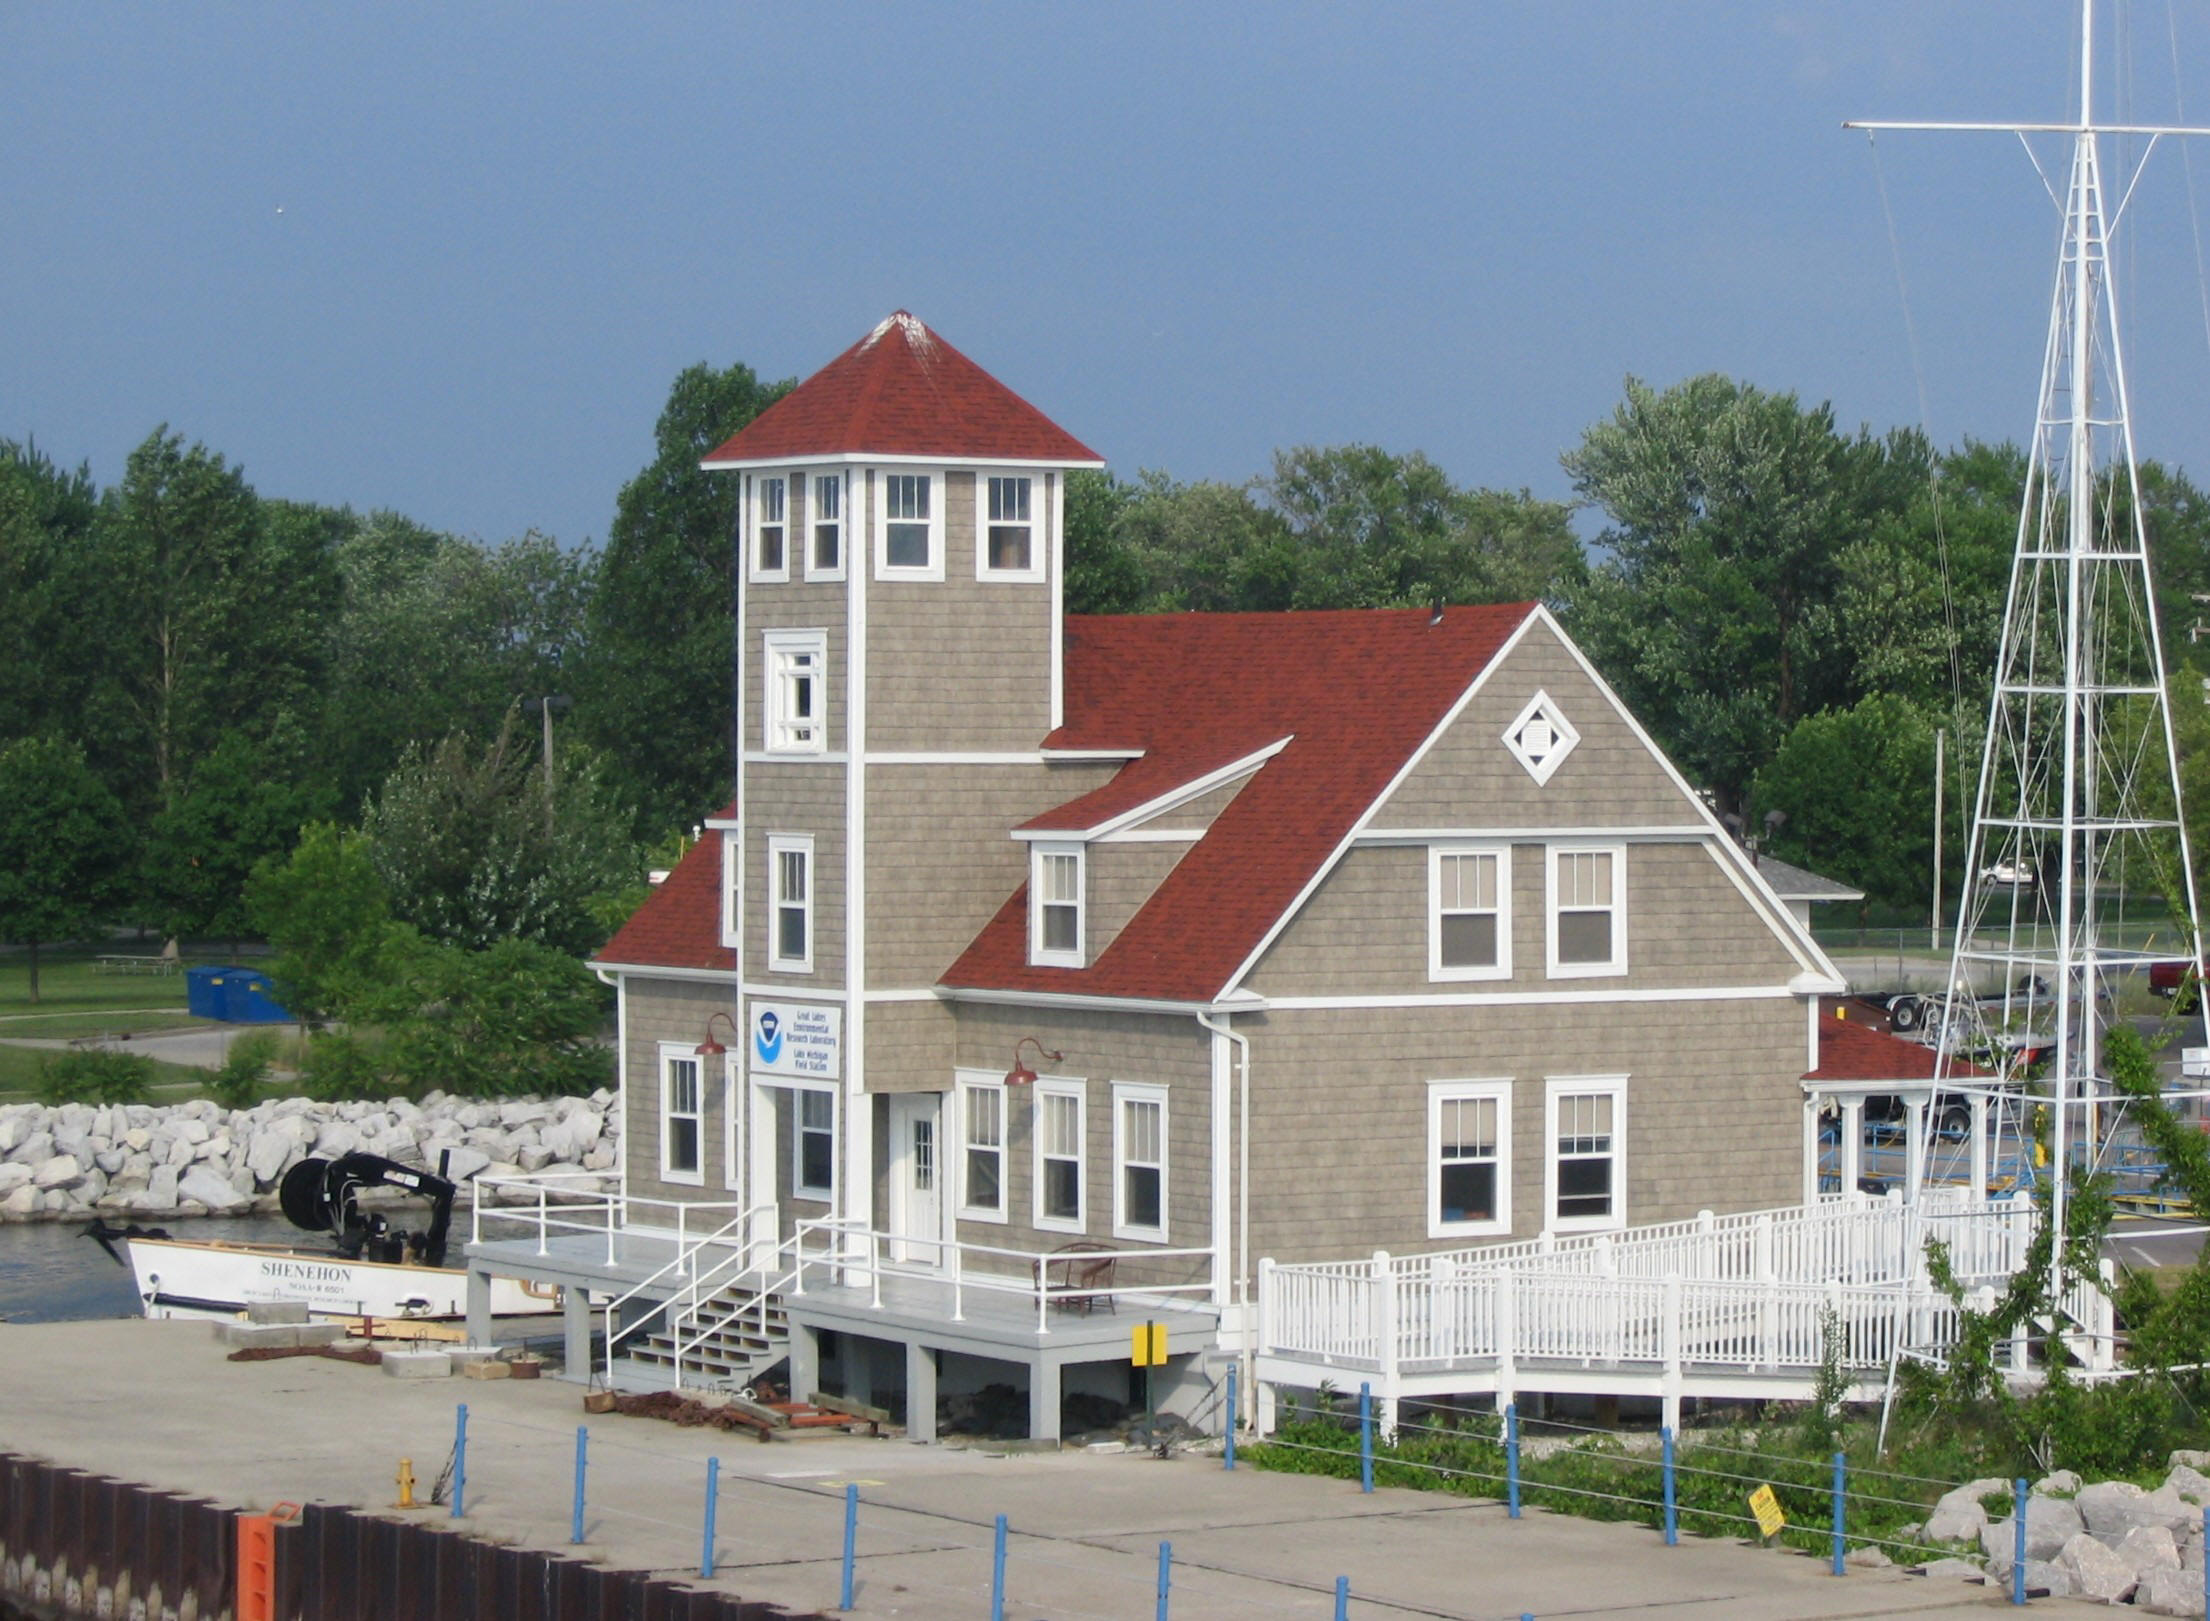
x=902, y=391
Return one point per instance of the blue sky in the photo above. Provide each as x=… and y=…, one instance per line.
x=447, y=258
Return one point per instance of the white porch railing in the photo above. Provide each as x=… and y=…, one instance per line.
x=1751, y=1292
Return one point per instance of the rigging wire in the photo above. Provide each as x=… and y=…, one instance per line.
x=2187, y=170
x=1925, y=423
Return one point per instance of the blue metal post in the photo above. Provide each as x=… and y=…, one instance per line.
x=1342, y=1598
x=997, y=1575
x=706, y=1540
x=460, y=1459
x=1235, y=1413
x=851, y=1542
x=1166, y=1575
x=1511, y=1456
x=1841, y=1479
x=1365, y=1437
x=583, y=1449
x=1672, y=1500
x=2018, y=1542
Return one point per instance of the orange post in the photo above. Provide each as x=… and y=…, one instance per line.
x=257, y=1562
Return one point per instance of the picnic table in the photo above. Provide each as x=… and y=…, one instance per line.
x=133, y=962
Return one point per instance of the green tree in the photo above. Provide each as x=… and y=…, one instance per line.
x=327, y=918
x=473, y=848
x=1856, y=789
x=516, y=1017
x=1103, y=575
x=1206, y=547
x=45, y=659
x=63, y=850
x=653, y=693
x=1729, y=511
x=244, y=802
x=211, y=616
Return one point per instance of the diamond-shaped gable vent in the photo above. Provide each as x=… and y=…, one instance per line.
x=1541, y=738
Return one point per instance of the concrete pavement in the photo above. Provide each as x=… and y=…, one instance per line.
x=158, y=1402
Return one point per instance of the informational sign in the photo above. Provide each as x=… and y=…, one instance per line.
x=1766, y=1507
x=797, y=1038
x=1147, y=1345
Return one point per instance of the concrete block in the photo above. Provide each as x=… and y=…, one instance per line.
x=418, y=1364
x=320, y=1333
x=257, y=1336
x=277, y=1311
x=487, y=1369
x=463, y=1355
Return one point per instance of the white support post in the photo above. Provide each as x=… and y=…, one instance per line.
x=1979, y=1146
x=1385, y=1349
x=1853, y=1143
x=1768, y=1299
x=1669, y=1332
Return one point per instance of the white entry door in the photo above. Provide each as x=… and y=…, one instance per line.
x=917, y=1178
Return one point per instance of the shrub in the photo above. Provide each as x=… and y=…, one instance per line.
x=237, y=1085
x=342, y=1067
x=95, y=1075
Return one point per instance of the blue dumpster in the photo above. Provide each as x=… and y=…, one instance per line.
x=203, y=993
x=232, y=994
x=248, y=999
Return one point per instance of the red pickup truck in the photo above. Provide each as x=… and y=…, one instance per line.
x=2178, y=982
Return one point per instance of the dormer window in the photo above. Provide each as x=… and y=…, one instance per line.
x=909, y=541
x=1055, y=932
x=770, y=558
x=796, y=700
x=826, y=560
x=1006, y=523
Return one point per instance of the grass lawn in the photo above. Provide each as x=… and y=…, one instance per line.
x=75, y=999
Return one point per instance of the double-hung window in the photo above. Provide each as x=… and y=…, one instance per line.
x=1139, y=1162
x=909, y=530
x=1469, y=933
x=1585, y=1161
x=1059, y=1157
x=1587, y=926
x=982, y=1150
x=826, y=560
x=1055, y=906
x=790, y=921
x=682, y=1117
x=1008, y=545
x=795, y=696
x=813, y=1145
x=1469, y=1158
x=770, y=529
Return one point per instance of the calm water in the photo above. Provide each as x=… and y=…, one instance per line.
x=50, y=1272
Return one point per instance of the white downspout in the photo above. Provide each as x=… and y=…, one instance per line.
x=1249, y=1354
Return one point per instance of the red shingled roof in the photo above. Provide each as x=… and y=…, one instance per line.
x=1857, y=1052
x=904, y=391
x=1355, y=692
x=679, y=925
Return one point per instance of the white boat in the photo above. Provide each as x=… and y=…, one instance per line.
x=369, y=1268
x=183, y=1277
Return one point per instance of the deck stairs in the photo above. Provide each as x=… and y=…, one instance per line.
x=730, y=1339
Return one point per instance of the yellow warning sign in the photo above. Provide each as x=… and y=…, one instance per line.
x=1766, y=1507
x=1147, y=1345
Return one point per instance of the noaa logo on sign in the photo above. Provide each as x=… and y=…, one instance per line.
x=768, y=1039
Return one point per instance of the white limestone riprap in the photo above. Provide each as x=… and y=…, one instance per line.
x=76, y=1160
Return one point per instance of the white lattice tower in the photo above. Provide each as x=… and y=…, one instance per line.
x=2078, y=798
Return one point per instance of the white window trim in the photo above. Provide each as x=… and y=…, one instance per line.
x=1140, y=1092
x=732, y=1120
x=732, y=890
x=1034, y=573
x=798, y=1094
x=880, y=524
x=1052, y=1086
x=1439, y=1093
x=1565, y=738
x=755, y=508
x=777, y=844
x=1038, y=955
x=1503, y=966
x=775, y=646
x=1585, y=970
x=843, y=523
x=671, y=1053
x=967, y=1084
x=1555, y=1087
